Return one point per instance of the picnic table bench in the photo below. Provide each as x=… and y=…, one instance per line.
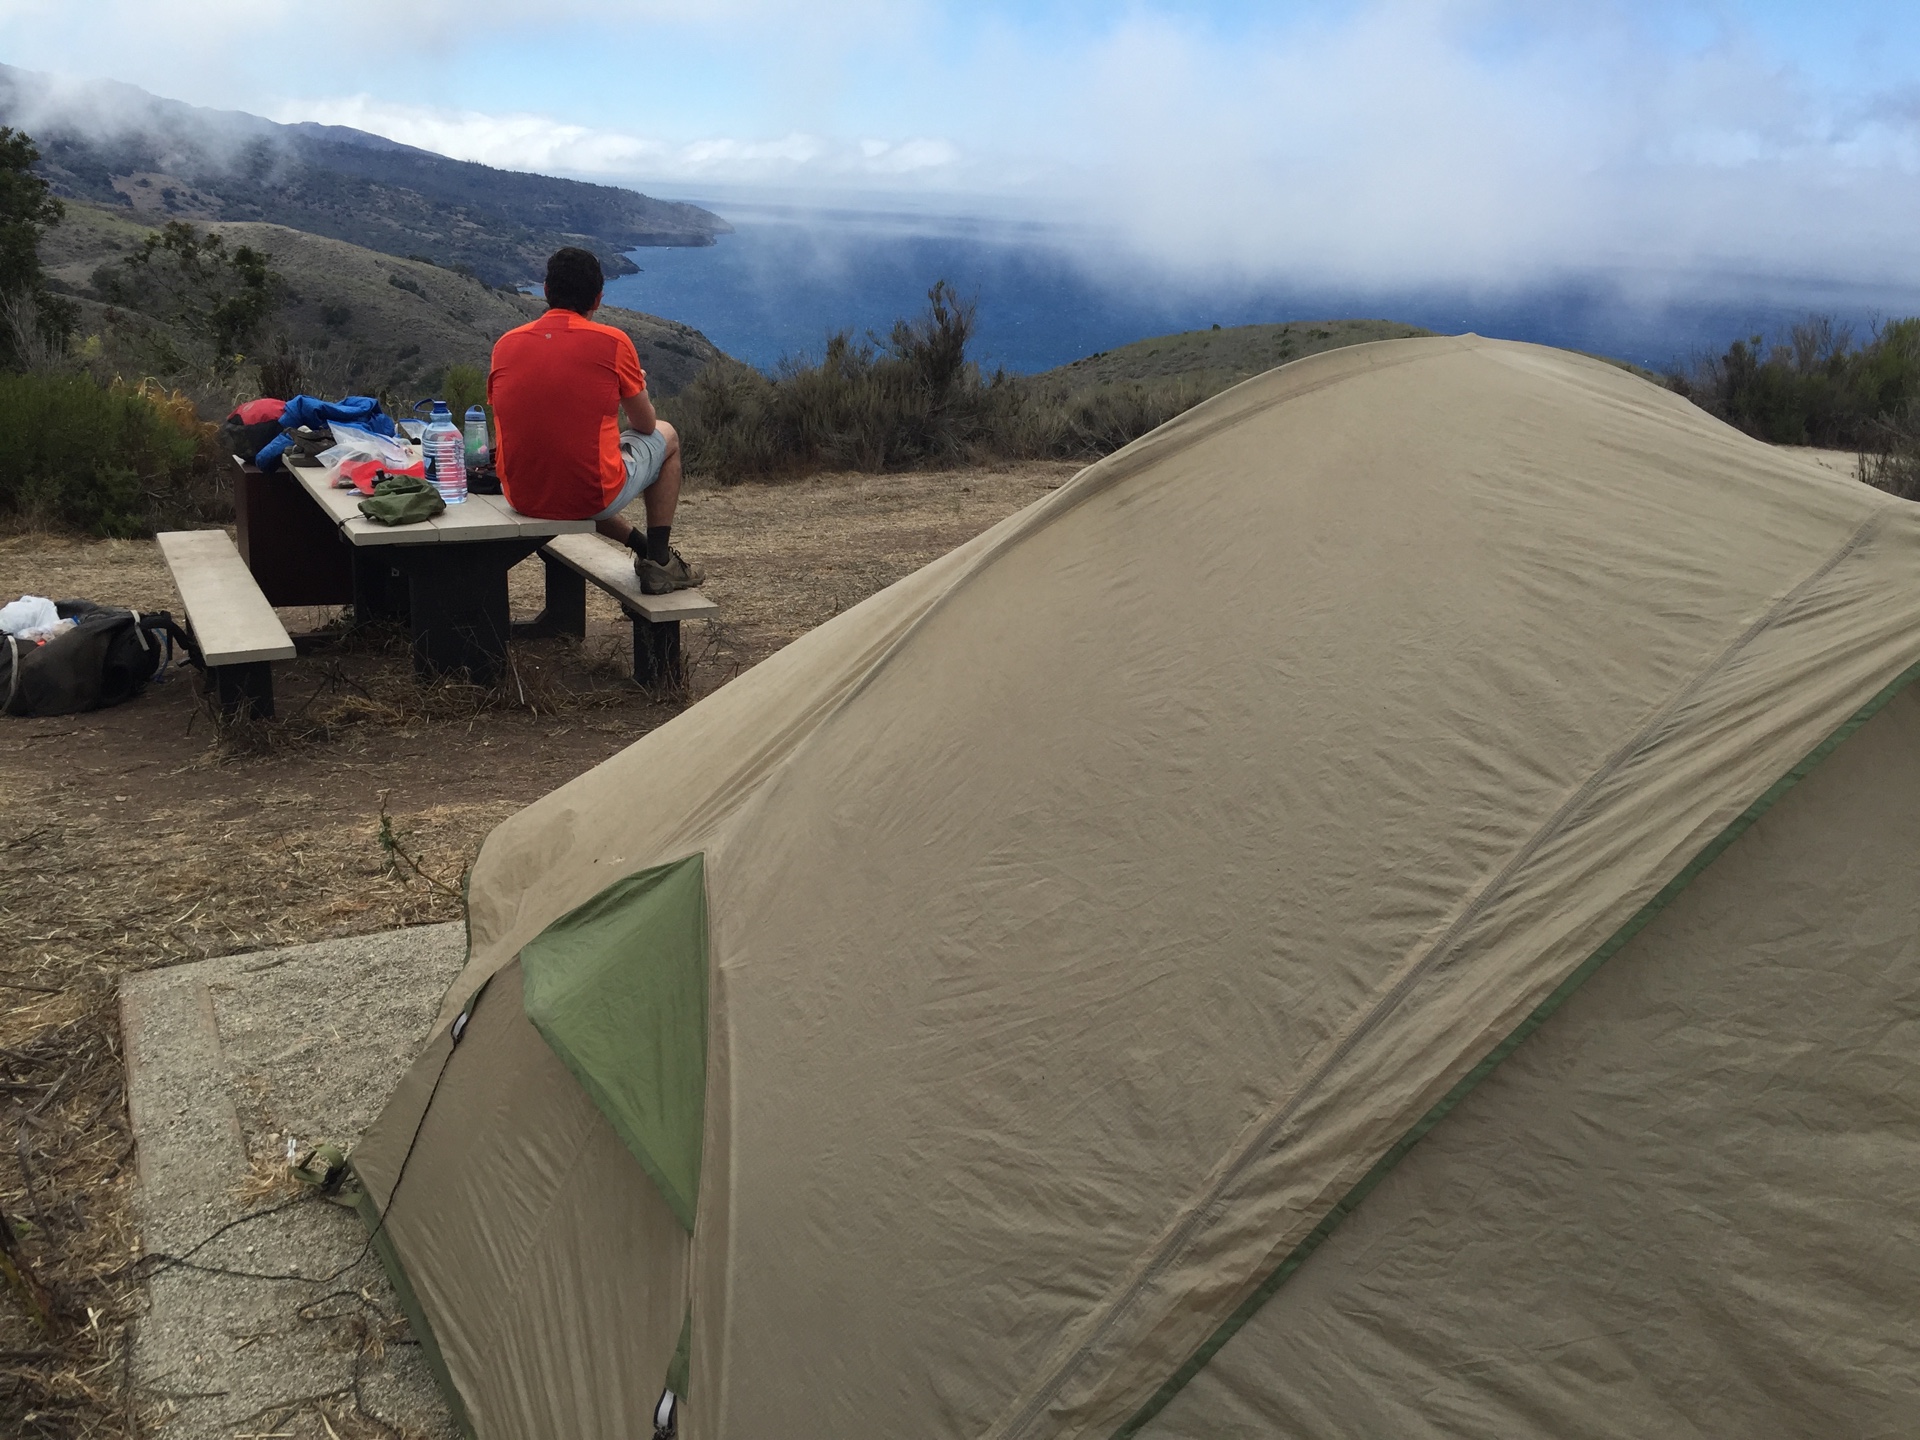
x=574, y=561
x=238, y=634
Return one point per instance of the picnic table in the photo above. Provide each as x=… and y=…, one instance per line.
x=454, y=568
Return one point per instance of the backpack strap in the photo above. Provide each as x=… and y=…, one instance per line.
x=176, y=634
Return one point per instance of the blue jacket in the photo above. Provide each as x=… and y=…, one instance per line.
x=361, y=410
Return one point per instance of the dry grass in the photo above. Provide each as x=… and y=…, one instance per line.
x=67, y=1131
x=147, y=836
x=269, y=1178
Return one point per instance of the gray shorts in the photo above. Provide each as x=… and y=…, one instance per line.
x=644, y=455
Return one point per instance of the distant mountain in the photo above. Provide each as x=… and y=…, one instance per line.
x=118, y=145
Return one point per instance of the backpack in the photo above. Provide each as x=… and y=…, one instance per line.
x=244, y=441
x=109, y=656
x=245, y=432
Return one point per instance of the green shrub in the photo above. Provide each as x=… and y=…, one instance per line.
x=283, y=370
x=1057, y=422
x=1813, y=386
x=464, y=386
x=110, y=460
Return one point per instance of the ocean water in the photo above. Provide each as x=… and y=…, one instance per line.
x=787, y=279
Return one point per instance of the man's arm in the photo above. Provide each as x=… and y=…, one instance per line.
x=638, y=410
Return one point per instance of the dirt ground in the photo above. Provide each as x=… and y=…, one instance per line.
x=145, y=836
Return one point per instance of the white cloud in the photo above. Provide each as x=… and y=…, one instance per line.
x=235, y=52
x=511, y=141
x=524, y=141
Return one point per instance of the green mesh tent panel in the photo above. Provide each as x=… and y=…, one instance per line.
x=618, y=988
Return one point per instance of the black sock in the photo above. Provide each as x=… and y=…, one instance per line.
x=636, y=540
x=658, y=550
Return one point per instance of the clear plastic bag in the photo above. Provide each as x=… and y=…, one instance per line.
x=350, y=442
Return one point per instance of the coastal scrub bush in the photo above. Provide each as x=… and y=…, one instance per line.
x=213, y=299
x=913, y=400
x=107, y=459
x=1054, y=421
x=464, y=386
x=283, y=370
x=1813, y=386
x=1892, y=462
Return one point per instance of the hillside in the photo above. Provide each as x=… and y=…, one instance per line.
x=118, y=146
x=362, y=321
x=1215, y=359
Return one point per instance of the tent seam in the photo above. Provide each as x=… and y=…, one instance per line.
x=509, y=1284
x=415, y=1311
x=605, y=1104
x=376, y=1215
x=1536, y=1018
x=1262, y=1138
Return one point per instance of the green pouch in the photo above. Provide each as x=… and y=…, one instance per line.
x=402, y=500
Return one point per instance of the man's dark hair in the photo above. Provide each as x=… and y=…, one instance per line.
x=574, y=279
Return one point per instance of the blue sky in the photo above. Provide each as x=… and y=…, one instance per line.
x=1406, y=140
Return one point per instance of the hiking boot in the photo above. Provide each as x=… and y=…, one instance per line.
x=676, y=574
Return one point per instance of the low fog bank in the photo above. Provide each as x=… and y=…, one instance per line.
x=1051, y=292
x=61, y=108
x=1664, y=236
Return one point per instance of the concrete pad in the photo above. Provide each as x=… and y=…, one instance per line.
x=226, y=1060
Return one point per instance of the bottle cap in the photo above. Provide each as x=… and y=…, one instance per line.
x=440, y=408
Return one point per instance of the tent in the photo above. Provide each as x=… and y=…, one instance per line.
x=1386, y=907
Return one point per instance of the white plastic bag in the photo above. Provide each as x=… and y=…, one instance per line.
x=28, y=614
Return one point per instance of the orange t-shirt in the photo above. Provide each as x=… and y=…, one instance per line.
x=555, y=388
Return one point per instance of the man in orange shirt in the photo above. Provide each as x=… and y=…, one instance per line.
x=559, y=388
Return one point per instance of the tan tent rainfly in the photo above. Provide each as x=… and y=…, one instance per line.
x=1387, y=907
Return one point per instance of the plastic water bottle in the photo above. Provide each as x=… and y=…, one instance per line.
x=478, y=447
x=446, y=455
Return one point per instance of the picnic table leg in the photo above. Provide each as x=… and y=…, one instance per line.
x=656, y=652
x=243, y=690
x=377, y=593
x=458, y=603
x=565, y=612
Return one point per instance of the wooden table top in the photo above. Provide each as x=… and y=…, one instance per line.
x=479, y=517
